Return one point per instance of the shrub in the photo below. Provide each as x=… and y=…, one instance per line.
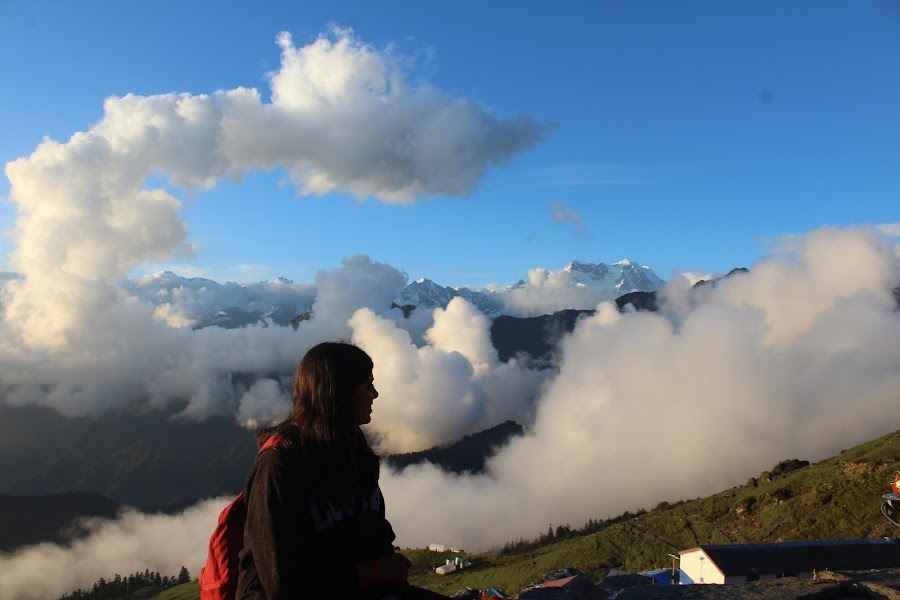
x=787, y=466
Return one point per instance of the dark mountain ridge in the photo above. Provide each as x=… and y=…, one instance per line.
x=538, y=337
x=467, y=455
x=154, y=476
x=26, y=520
x=147, y=459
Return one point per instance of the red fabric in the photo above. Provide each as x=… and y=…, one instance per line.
x=218, y=577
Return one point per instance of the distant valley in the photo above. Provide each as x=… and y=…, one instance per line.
x=156, y=462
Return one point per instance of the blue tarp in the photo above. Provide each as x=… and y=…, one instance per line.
x=659, y=576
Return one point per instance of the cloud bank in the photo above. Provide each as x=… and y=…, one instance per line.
x=799, y=358
x=343, y=117
x=438, y=375
x=134, y=542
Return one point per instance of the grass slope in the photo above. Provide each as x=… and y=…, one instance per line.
x=836, y=498
x=185, y=591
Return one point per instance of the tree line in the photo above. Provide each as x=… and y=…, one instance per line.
x=122, y=588
x=563, y=532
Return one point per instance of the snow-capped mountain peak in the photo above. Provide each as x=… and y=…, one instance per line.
x=622, y=276
x=425, y=292
x=593, y=282
x=595, y=271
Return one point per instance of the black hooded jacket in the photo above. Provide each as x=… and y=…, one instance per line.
x=308, y=526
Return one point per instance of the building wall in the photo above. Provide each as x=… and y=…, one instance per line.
x=698, y=568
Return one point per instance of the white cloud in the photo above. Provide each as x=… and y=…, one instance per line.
x=546, y=291
x=693, y=277
x=438, y=392
x=266, y=401
x=172, y=316
x=462, y=328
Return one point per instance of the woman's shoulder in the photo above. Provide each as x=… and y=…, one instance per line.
x=278, y=447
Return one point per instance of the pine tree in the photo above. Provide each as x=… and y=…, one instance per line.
x=183, y=575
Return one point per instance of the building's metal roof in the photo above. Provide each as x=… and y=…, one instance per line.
x=558, y=583
x=799, y=557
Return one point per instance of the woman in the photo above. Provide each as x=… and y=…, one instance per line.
x=315, y=514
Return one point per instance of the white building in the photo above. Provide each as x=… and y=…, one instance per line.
x=696, y=566
x=453, y=564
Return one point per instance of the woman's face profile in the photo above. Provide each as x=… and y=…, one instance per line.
x=363, y=396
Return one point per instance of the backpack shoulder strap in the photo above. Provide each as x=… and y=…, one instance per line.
x=274, y=441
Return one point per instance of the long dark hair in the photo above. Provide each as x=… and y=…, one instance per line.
x=322, y=417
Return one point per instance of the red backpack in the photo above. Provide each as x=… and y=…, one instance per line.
x=218, y=577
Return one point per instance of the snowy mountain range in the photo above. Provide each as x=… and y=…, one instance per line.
x=577, y=285
x=426, y=294
x=618, y=278
x=198, y=302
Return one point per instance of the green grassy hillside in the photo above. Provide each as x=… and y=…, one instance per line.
x=185, y=591
x=835, y=498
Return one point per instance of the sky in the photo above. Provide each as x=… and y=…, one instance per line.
x=686, y=137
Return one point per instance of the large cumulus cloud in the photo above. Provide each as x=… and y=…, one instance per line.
x=452, y=386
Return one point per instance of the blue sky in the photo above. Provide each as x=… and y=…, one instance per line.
x=689, y=136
